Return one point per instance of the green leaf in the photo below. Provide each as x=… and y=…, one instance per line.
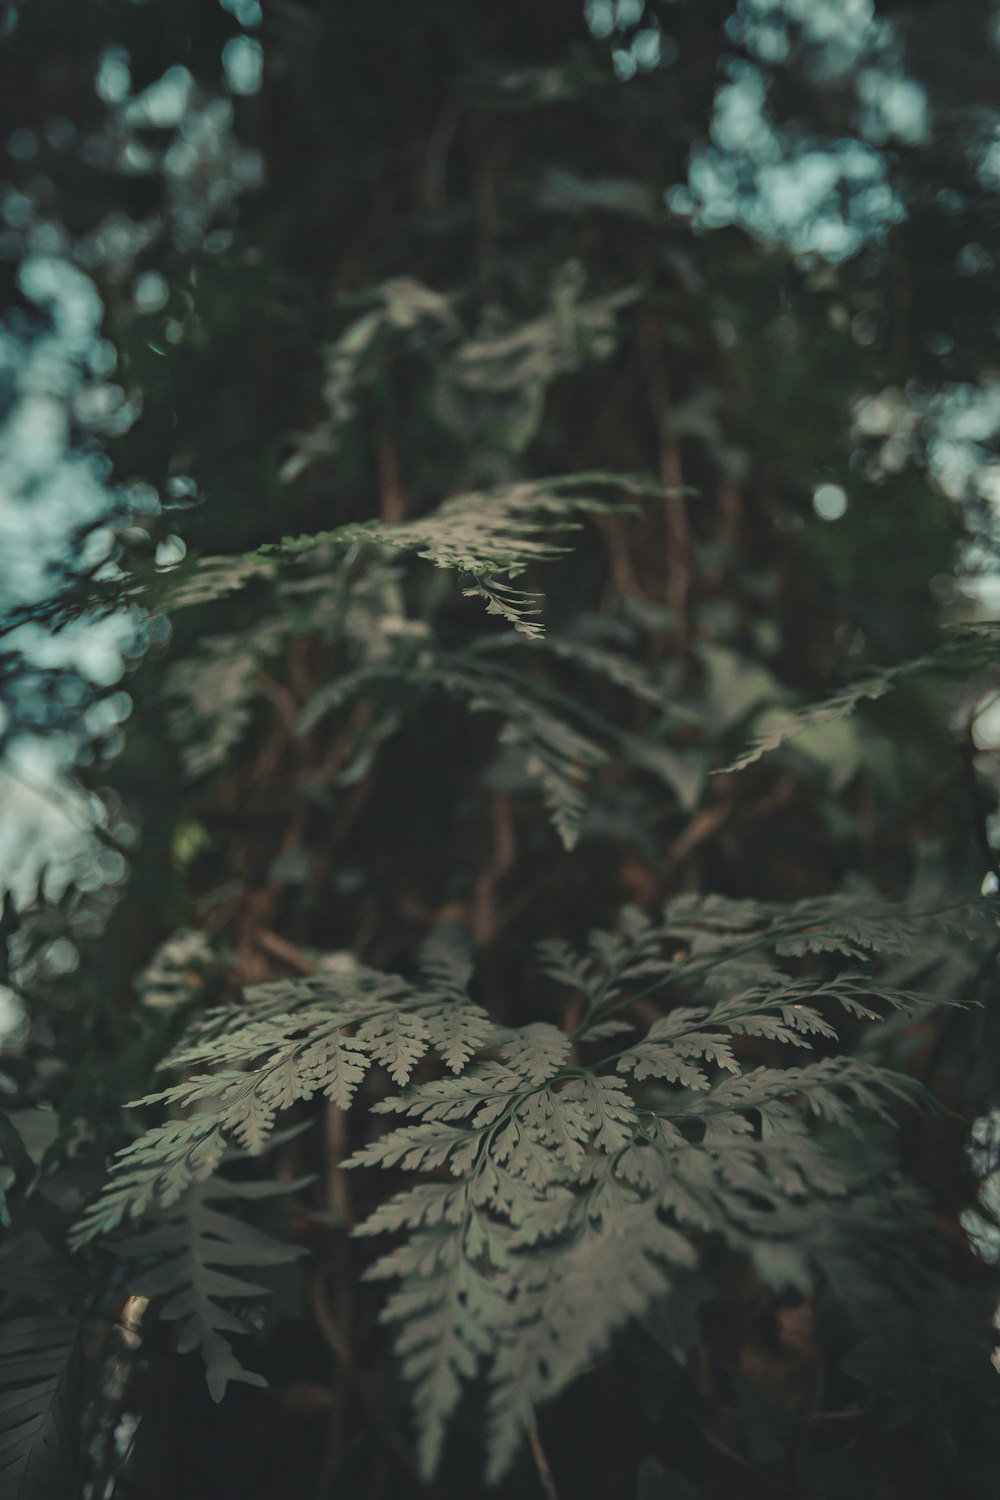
x=202, y=1252
x=290, y=1040
x=39, y=1408
x=936, y=1365
x=486, y=537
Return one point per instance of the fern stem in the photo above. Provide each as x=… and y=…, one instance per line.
x=545, y=1476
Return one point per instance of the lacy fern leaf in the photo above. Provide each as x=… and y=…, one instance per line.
x=570, y=1206
x=557, y=755
x=566, y=1198
x=293, y=1039
x=961, y=649
x=201, y=1252
x=487, y=538
x=558, y=1189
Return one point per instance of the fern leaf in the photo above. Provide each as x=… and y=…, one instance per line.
x=39, y=1401
x=457, y=1033
x=208, y=579
x=612, y=1272
x=201, y=1252
x=485, y=537
x=153, y=1171
x=536, y=1051
x=789, y=723
x=212, y=692
x=263, y=1060
x=555, y=753
x=396, y=1039
x=447, y=1317
x=608, y=1108
x=839, y=1089
x=553, y=1201
x=566, y=1200
x=961, y=648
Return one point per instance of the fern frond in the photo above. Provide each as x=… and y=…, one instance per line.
x=565, y=1215
x=556, y=754
x=264, y=1057
x=207, y=579
x=39, y=1402
x=565, y=1198
x=554, y=1199
x=213, y=691
x=486, y=538
x=789, y=723
x=742, y=944
x=153, y=1171
x=202, y=1252
x=596, y=660
x=491, y=380
x=559, y=756
x=962, y=648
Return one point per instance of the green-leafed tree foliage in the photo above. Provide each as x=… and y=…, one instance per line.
x=513, y=1008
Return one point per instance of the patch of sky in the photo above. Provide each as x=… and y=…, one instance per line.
x=113, y=81
x=639, y=46
x=829, y=502
x=182, y=492
x=825, y=198
x=164, y=103
x=247, y=12
x=58, y=508
x=963, y=441
x=989, y=158
x=954, y=432
x=55, y=503
x=644, y=52
x=828, y=37
x=116, y=240
x=984, y=1153
x=243, y=64
x=814, y=196
x=48, y=821
x=204, y=166
x=150, y=292
x=58, y=402
x=885, y=429
x=206, y=169
x=892, y=107
x=607, y=16
x=986, y=727
x=973, y=260
x=953, y=435
x=171, y=551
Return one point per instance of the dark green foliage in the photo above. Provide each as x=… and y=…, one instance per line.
x=39, y=1400
x=521, y=985
x=197, y=1247
x=568, y=1192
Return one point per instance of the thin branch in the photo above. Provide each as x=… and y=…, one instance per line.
x=280, y=948
x=703, y=826
x=545, y=1476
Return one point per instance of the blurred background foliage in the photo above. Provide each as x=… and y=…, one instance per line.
x=272, y=267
